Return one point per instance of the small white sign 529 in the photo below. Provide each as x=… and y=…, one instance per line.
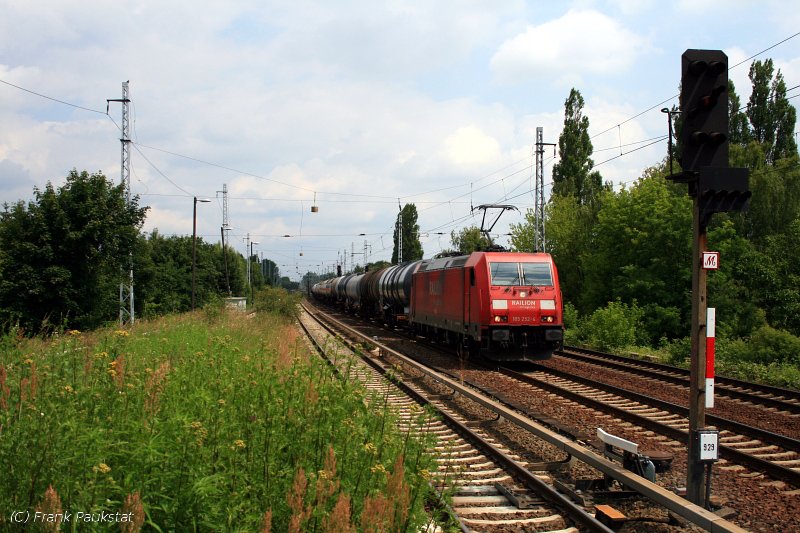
x=709, y=446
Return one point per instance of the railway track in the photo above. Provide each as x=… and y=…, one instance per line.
x=510, y=412
x=784, y=400
x=775, y=455
x=491, y=489
x=760, y=450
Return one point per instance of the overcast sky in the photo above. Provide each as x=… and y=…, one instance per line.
x=352, y=106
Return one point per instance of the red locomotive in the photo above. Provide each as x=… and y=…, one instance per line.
x=505, y=305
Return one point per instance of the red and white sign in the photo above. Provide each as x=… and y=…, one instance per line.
x=710, y=260
x=711, y=333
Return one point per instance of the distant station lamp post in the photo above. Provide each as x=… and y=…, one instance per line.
x=194, y=240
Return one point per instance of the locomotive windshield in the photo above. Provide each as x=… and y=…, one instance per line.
x=537, y=274
x=514, y=274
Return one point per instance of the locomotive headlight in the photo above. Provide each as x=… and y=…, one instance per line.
x=500, y=318
x=547, y=319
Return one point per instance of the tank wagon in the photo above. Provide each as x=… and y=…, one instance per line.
x=505, y=305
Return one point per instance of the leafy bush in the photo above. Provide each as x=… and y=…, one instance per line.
x=776, y=374
x=766, y=346
x=573, y=325
x=659, y=322
x=615, y=326
x=277, y=300
x=214, y=310
x=680, y=351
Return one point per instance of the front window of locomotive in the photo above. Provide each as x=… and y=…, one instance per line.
x=504, y=274
x=537, y=274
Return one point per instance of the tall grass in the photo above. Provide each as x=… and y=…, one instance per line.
x=200, y=422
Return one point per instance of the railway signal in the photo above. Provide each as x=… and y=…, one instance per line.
x=704, y=136
x=704, y=103
x=716, y=188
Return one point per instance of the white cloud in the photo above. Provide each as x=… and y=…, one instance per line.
x=577, y=42
x=469, y=147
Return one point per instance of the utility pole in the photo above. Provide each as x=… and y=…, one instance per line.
x=247, y=252
x=225, y=227
x=539, y=241
x=126, y=314
x=400, y=235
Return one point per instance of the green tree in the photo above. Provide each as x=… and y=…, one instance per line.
x=785, y=118
x=569, y=240
x=164, y=274
x=730, y=289
x=412, y=247
x=775, y=203
x=772, y=117
x=63, y=254
x=573, y=174
x=469, y=240
x=779, y=287
x=270, y=271
x=738, y=125
x=641, y=251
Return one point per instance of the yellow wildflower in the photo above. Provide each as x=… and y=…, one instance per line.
x=221, y=402
x=370, y=448
x=74, y=332
x=239, y=443
x=121, y=333
x=68, y=388
x=378, y=468
x=102, y=468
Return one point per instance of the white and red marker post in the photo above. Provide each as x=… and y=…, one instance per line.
x=711, y=327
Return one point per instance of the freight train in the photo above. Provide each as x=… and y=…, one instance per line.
x=504, y=305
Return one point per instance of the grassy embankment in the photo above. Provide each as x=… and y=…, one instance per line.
x=205, y=421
